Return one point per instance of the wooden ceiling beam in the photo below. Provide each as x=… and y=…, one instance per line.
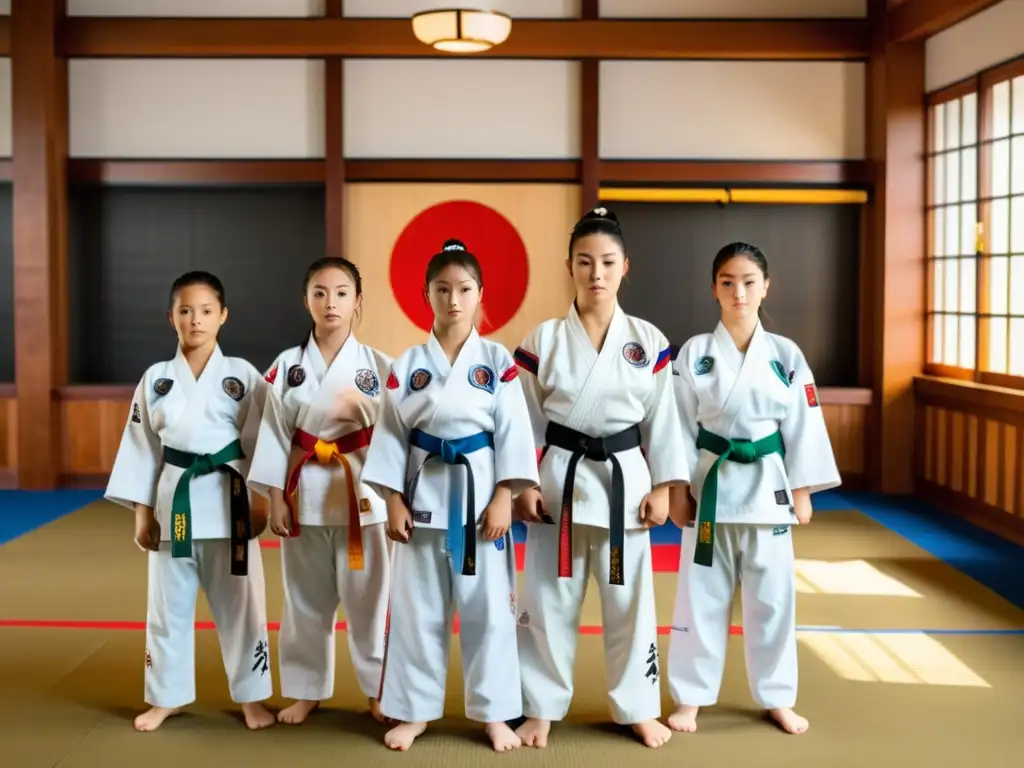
x=822, y=39
x=920, y=19
x=5, y=35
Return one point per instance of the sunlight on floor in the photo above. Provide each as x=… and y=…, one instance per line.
x=912, y=658
x=847, y=577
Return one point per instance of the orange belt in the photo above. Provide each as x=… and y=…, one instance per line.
x=325, y=453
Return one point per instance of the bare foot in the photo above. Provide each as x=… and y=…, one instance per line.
x=789, y=720
x=503, y=738
x=297, y=713
x=684, y=719
x=257, y=716
x=534, y=732
x=154, y=718
x=402, y=736
x=653, y=733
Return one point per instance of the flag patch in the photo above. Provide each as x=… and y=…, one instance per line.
x=510, y=373
x=271, y=377
x=392, y=382
x=663, y=359
x=812, y=395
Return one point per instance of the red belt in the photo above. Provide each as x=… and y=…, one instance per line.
x=325, y=453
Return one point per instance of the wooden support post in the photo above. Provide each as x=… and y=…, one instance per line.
x=334, y=144
x=590, y=160
x=39, y=147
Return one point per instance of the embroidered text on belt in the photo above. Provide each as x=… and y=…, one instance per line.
x=181, y=505
x=596, y=449
x=462, y=547
x=326, y=452
x=742, y=451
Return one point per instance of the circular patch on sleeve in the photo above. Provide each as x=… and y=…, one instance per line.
x=482, y=377
x=704, y=365
x=234, y=388
x=367, y=382
x=635, y=354
x=296, y=375
x=419, y=379
x=163, y=386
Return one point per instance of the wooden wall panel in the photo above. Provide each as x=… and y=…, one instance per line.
x=8, y=437
x=970, y=443
x=93, y=418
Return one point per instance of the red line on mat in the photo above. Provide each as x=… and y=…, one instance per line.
x=273, y=626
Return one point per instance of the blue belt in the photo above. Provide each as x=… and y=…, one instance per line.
x=462, y=548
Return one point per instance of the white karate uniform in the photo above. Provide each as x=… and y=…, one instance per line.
x=333, y=404
x=479, y=395
x=171, y=409
x=769, y=389
x=627, y=383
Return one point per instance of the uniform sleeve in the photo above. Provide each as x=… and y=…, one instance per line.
x=136, y=470
x=387, y=457
x=515, y=449
x=251, y=416
x=661, y=437
x=269, y=466
x=810, y=462
x=686, y=403
x=527, y=360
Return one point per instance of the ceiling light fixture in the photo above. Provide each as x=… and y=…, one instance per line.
x=461, y=31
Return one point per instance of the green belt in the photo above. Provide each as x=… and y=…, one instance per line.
x=740, y=450
x=181, y=506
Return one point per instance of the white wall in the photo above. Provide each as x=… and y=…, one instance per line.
x=982, y=41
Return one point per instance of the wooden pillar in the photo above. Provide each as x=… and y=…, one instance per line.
x=334, y=148
x=895, y=269
x=590, y=162
x=40, y=146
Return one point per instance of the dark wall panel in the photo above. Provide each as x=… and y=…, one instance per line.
x=128, y=244
x=6, y=284
x=813, y=254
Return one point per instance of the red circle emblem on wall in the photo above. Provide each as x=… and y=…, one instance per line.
x=487, y=234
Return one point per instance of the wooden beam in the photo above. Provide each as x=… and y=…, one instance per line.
x=893, y=276
x=854, y=173
x=817, y=39
x=443, y=170
x=195, y=172
x=590, y=119
x=334, y=149
x=920, y=19
x=40, y=145
x=5, y=35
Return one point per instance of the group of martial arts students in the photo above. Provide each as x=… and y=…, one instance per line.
x=393, y=485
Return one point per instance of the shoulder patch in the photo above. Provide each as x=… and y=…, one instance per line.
x=704, y=365
x=635, y=354
x=234, y=388
x=482, y=377
x=296, y=375
x=419, y=379
x=510, y=373
x=780, y=371
x=526, y=360
x=271, y=376
x=664, y=358
x=163, y=386
x=392, y=382
x=791, y=375
x=367, y=382
x=811, y=392
x=136, y=413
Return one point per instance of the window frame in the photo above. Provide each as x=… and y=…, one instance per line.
x=982, y=86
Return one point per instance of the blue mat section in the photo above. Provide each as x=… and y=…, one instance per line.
x=24, y=511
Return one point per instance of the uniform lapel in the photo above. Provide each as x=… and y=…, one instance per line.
x=747, y=371
x=317, y=365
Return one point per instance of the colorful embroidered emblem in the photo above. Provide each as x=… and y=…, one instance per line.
x=780, y=371
x=392, y=380
x=482, y=377
x=704, y=365
x=136, y=413
x=271, y=376
x=296, y=375
x=367, y=382
x=234, y=388
x=162, y=386
x=419, y=379
x=812, y=395
x=510, y=373
x=635, y=354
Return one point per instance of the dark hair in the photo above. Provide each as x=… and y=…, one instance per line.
x=748, y=251
x=329, y=262
x=599, y=221
x=454, y=252
x=211, y=281
x=732, y=250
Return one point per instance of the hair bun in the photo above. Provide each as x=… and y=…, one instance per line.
x=601, y=213
x=453, y=245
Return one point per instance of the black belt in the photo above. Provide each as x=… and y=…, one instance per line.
x=596, y=449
